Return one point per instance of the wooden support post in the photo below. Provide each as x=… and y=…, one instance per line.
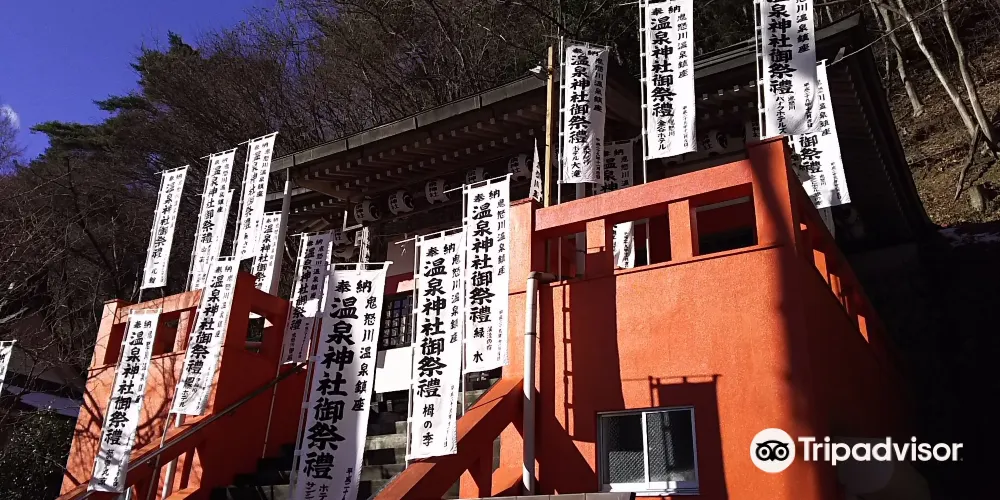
x=551, y=126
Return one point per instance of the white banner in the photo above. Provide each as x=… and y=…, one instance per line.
x=618, y=174
x=668, y=77
x=205, y=341
x=217, y=178
x=788, y=47
x=816, y=156
x=219, y=220
x=269, y=246
x=121, y=419
x=6, y=352
x=437, y=344
x=583, y=85
x=254, y=194
x=308, y=292
x=164, y=220
x=536, y=176
x=336, y=423
x=487, y=254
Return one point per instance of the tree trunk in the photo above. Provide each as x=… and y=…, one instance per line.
x=890, y=25
x=956, y=99
x=970, y=85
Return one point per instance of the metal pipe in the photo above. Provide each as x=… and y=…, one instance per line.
x=530, y=336
x=168, y=478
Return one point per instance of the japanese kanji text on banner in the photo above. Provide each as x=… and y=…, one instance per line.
x=816, y=156
x=217, y=178
x=536, y=176
x=254, y=195
x=219, y=213
x=336, y=423
x=125, y=404
x=308, y=291
x=487, y=253
x=583, y=89
x=205, y=342
x=618, y=174
x=263, y=263
x=668, y=81
x=162, y=236
x=788, y=49
x=437, y=345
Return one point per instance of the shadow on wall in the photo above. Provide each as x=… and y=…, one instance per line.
x=162, y=378
x=700, y=393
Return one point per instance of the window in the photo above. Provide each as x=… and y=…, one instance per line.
x=650, y=451
x=396, y=321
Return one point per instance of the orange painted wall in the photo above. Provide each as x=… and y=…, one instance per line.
x=164, y=372
x=216, y=456
x=752, y=338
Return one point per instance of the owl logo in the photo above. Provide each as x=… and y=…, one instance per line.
x=772, y=450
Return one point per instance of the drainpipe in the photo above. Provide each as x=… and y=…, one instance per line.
x=528, y=427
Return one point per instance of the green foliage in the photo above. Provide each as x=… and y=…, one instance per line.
x=33, y=454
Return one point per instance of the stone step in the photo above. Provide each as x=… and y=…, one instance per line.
x=387, y=456
x=379, y=472
x=385, y=441
x=267, y=476
x=366, y=489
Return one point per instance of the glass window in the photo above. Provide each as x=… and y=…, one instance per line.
x=649, y=451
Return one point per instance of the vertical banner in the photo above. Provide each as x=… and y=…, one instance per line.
x=618, y=174
x=6, y=352
x=164, y=220
x=487, y=254
x=217, y=179
x=219, y=219
x=336, y=423
x=263, y=263
x=583, y=112
x=205, y=341
x=437, y=345
x=125, y=405
x=307, y=294
x=788, y=49
x=258, y=168
x=668, y=77
x=536, y=176
x=816, y=156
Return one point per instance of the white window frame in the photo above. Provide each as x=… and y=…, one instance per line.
x=648, y=488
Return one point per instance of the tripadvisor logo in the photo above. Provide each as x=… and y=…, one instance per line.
x=773, y=450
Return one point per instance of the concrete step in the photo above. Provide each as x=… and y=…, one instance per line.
x=366, y=489
x=379, y=472
x=385, y=442
x=387, y=456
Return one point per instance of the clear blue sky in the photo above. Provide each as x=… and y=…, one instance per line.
x=58, y=56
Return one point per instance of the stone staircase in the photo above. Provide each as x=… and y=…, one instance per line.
x=384, y=458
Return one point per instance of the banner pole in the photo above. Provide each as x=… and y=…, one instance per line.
x=286, y=202
x=413, y=347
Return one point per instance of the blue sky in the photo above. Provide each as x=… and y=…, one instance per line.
x=58, y=56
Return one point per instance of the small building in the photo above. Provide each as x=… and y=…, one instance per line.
x=742, y=313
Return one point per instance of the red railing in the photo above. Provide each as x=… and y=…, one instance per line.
x=477, y=429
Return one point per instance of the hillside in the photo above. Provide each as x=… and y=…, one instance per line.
x=937, y=144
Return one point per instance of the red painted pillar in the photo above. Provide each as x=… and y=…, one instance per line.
x=683, y=230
